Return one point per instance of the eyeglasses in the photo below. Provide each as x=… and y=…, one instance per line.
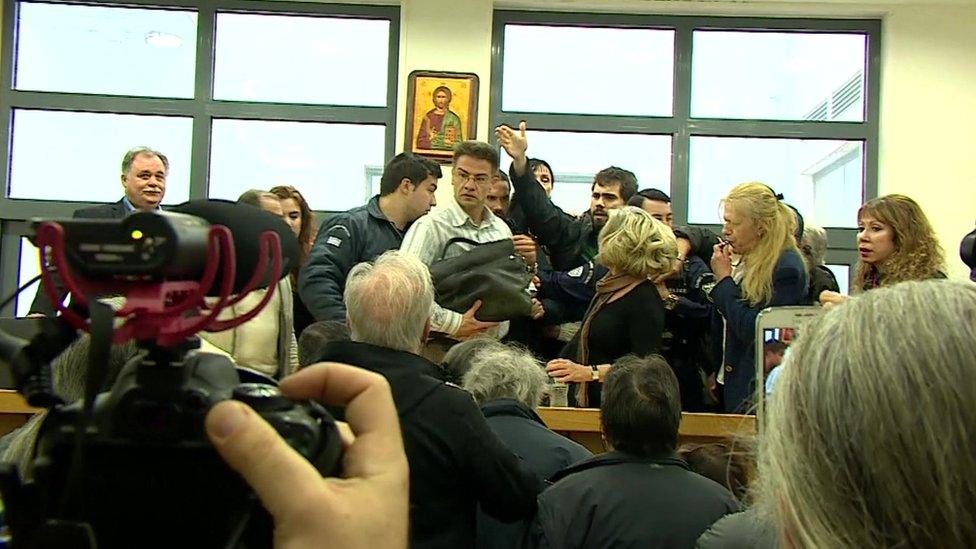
x=463, y=177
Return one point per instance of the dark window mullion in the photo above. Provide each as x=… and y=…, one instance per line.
x=96, y=103
x=681, y=143
x=298, y=113
x=849, y=131
x=588, y=123
x=203, y=94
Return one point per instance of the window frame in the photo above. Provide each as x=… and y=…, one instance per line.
x=681, y=125
x=202, y=108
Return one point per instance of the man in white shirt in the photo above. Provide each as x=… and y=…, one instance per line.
x=467, y=215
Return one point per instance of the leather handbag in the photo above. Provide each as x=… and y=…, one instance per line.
x=492, y=272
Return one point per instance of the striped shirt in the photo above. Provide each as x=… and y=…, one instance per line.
x=427, y=237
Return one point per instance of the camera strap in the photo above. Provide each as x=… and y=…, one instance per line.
x=100, y=330
x=99, y=350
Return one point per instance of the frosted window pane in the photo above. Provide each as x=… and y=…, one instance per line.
x=588, y=70
x=843, y=275
x=114, y=51
x=29, y=268
x=60, y=155
x=292, y=59
x=778, y=76
x=794, y=167
x=577, y=157
x=329, y=163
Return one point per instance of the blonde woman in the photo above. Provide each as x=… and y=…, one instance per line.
x=626, y=315
x=868, y=439
x=895, y=242
x=768, y=271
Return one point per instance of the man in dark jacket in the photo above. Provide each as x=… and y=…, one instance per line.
x=456, y=462
x=508, y=384
x=362, y=234
x=641, y=494
x=144, y=173
x=571, y=241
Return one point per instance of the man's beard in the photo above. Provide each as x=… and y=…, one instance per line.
x=599, y=221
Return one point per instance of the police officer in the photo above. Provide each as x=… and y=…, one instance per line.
x=406, y=193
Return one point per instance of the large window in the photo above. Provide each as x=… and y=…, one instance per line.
x=238, y=95
x=696, y=105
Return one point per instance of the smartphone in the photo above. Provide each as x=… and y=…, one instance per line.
x=777, y=328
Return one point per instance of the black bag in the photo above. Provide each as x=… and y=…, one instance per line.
x=492, y=272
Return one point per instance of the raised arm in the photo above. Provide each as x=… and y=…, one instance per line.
x=550, y=224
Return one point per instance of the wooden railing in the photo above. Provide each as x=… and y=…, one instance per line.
x=579, y=424
x=14, y=411
x=583, y=426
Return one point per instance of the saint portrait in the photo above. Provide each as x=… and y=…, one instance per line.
x=442, y=112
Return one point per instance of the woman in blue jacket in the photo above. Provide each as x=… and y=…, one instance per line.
x=758, y=266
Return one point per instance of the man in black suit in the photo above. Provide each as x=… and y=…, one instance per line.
x=144, y=172
x=456, y=462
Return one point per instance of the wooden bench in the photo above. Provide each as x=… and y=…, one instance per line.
x=583, y=426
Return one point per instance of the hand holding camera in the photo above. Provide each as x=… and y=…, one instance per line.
x=368, y=507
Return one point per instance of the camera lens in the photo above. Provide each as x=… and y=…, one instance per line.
x=262, y=397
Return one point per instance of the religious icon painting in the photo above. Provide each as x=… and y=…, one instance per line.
x=442, y=111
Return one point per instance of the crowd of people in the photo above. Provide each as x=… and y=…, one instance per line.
x=641, y=319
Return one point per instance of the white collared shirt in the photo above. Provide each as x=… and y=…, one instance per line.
x=427, y=237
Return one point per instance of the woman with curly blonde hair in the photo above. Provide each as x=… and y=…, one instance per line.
x=895, y=242
x=759, y=232
x=626, y=315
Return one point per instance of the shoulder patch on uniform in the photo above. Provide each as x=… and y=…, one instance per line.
x=334, y=241
x=338, y=230
x=577, y=272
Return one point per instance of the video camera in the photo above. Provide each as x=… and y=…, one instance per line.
x=133, y=467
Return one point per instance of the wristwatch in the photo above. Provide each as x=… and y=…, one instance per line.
x=596, y=373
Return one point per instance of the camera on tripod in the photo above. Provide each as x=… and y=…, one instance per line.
x=133, y=466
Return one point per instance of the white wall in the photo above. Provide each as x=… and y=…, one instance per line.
x=928, y=117
x=928, y=102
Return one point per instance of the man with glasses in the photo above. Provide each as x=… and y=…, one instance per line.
x=466, y=215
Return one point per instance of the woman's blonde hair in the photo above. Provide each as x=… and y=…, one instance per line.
x=917, y=254
x=775, y=226
x=868, y=436
x=635, y=243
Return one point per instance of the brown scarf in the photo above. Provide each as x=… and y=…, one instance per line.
x=608, y=289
